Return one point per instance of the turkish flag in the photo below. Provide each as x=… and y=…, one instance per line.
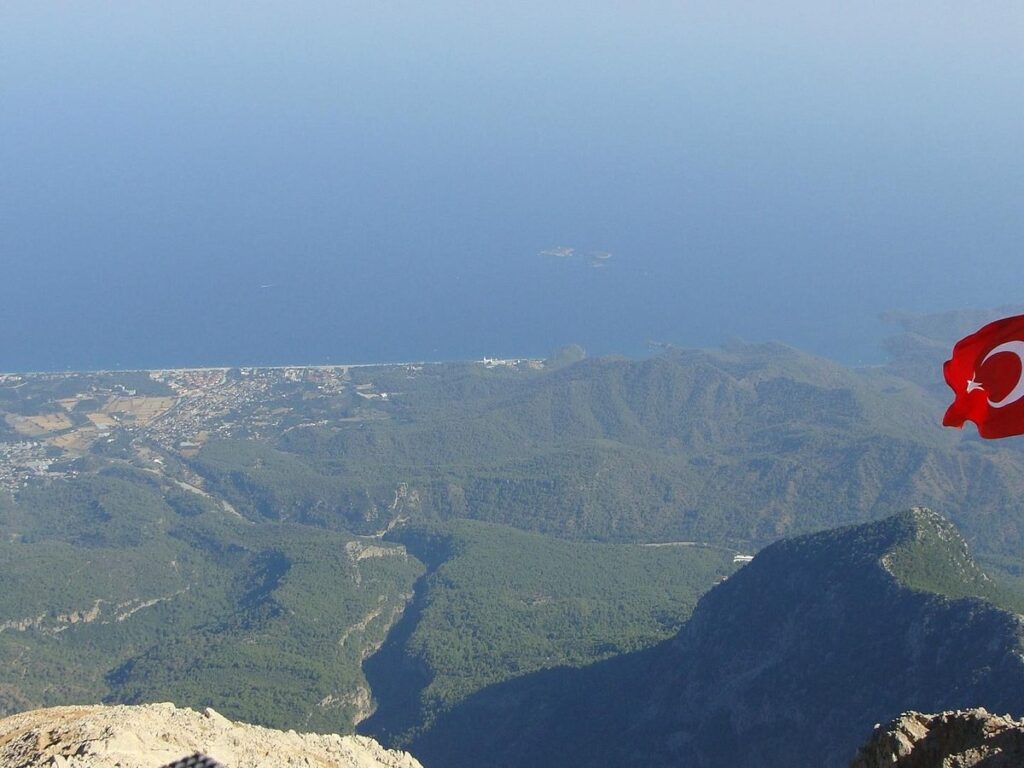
x=986, y=375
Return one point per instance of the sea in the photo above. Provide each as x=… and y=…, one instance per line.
x=343, y=183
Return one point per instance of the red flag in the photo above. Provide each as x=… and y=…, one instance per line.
x=986, y=375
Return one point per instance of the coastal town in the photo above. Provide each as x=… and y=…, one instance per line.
x=53, y=425
x=143, y=416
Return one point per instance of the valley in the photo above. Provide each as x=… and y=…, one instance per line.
x=396, y=550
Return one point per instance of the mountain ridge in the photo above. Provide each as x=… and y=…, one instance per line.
x=789, y=661
x=738, y=446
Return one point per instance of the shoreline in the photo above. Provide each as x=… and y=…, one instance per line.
x=303, y=366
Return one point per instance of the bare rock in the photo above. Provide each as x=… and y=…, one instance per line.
x=961, y=739
x=152, y=735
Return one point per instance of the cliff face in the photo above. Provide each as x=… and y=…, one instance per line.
x=794, y=658
x=789, y=662
x=157, y=734
x=962, y=739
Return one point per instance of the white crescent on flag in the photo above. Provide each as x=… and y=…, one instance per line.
x=1015, y=394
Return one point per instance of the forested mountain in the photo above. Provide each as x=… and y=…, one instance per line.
x=789, y=662
x=498, y=603
x=397, y=545
x=108, y=593
x=737, y=446
x=113, y=589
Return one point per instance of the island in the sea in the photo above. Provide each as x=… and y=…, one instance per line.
x=561, y=251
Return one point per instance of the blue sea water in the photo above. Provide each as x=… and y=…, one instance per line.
x=303, y=183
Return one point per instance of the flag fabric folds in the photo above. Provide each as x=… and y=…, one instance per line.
x=986, y=374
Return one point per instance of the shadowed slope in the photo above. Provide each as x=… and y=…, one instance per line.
x=789, y=662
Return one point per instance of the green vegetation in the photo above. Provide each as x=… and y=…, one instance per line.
x=108, y=591
x=304, y=612
x=788, y=662
x=738, y=447
x=268, y=484
x=261, y=574
x=501, y=603
x=932, y=557
x=38, y=394
x=123, y=586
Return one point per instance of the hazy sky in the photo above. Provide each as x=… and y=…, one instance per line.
x=272, y=182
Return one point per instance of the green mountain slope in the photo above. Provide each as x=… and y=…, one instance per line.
x=499, y=603
x=789, y=662
x=108, y=593
x=739, y=446
x=260, y=574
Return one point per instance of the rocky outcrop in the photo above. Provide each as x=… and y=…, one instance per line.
x=157, y=734
x=960, y=739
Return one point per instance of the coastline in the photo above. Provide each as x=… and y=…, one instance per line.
x=182, y=369
x=297, y=367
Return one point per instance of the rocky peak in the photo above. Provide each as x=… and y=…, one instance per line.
x=160, y=734
x=959, y=739
x=930, y=555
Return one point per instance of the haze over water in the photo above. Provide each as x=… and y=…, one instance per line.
x=194, y=183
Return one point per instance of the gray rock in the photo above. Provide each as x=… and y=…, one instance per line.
x=960, y=739
x=158, y=734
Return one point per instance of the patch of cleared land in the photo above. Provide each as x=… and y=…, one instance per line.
x=41, y=424
x=142, y=410
x=77, y=441
x=102, y=420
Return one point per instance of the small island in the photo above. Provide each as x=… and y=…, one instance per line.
x=561, y=251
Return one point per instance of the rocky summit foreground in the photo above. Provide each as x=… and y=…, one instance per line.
x=153, y=735
x=960, y=739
